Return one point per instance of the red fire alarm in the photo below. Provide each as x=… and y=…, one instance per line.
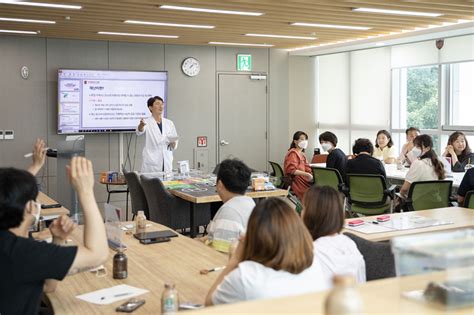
x=202, y=141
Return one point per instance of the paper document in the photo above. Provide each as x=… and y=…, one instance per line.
x=369, y=228
x=173, y=138
x=111, y=295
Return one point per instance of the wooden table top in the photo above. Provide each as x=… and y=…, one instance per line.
x=379, y=297
x=150, y=267
x=212, y=196
x=461, y=218
x=46, y=200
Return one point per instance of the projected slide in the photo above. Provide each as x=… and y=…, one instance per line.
x=105, y=101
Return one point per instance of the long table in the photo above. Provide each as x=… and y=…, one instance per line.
x=461, y=218
x=379, y=297
x=150, y=267
x=46, y=200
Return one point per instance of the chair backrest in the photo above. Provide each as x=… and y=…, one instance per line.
x=319, y=158
x=160, y=201
x=367, y=190
x=429, y=194
x=469, y=200
x=378, y=257
x=282, y=180
x=324, y=176
x=137, y=195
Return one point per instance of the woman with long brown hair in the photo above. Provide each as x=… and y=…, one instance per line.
x=275, y=258
x=426, y=167
x=323, y=215
x=458, y=151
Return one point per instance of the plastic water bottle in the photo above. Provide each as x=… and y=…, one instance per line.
x=169, y=300
x=344, y=298
x=140, y=222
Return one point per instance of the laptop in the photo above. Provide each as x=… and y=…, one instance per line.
x=155, y=234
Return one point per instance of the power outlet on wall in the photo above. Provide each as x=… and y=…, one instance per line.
x=9, y=135
x=1, y=135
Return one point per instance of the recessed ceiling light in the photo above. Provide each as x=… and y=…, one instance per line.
x=175, y=7
x=168, y=24
x=41, y=4
x=239, y=44
x=280, y=36
x=397, y=12
x=18, y=32
x=137, y=34
x=347, y=27
x=26, y=20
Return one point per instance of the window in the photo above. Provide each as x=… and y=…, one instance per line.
x=460, y=101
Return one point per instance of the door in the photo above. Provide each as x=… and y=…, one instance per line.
x=242, y=119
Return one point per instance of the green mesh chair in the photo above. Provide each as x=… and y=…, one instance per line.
x=429, y=195
x=283, y=181
x=368, y=194
x=324, y=176
x=469, y=200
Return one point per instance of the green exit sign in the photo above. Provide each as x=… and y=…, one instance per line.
x=244, y=62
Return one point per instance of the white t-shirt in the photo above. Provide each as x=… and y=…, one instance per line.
x=339, y=255
x=421, y=170
x=252, y=281
x=229, y=222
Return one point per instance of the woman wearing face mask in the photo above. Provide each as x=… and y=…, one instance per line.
x=426, y=167
x=458, y=151
x=336, y=158
x=296, y=165
x=384, y=149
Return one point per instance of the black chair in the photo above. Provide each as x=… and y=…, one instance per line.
x=429, y=195
x=170, y=210
x=378, y=257
x=136, y=194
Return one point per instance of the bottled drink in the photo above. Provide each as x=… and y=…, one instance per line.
x=343, y=299
x=120, y=268
x=169, y=300
x=140, y=222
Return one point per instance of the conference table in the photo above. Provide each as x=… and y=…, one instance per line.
x=50, y=213
x=149, y=267
x=457, y=217
x=201, y=190
x=378, y=297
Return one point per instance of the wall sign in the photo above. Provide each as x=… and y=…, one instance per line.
x=244, y=62
x=202, y=141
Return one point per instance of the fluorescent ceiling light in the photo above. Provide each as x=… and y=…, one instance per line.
x=41, y=4
x=397, y=12
x=26, y=20
x=175, y=7
x=168, y=24
x=239, y=44
x=346, y=27
x=280, y=36
x=18, y=32
x=137, y=35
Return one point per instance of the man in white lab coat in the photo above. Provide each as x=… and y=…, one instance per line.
x=161, y=138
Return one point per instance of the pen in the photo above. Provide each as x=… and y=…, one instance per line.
x=27, y=155
x=206, y=271
x=375, y=222
x=117, y=295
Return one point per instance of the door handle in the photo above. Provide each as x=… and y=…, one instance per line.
x=223, y=143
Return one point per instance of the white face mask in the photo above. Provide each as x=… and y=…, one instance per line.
x=416, y=152
x=326, y=146
x=303, y=144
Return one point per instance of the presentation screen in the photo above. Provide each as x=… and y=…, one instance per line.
x=97, y=101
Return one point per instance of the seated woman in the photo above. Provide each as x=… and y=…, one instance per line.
x=426, y=167
x=458, y=151
x=336, y=158
x=405, y=153
x=384, y=149
x=363, y=162
x=323, y=215
x=274, y=259
x=296, y=165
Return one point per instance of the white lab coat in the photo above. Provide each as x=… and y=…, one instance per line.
x=156, y=150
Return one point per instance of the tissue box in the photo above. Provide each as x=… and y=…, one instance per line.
x=258, y=183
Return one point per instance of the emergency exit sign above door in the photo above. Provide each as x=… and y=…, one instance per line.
x=244, y=62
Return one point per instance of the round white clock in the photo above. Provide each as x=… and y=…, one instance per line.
x=191, y=66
